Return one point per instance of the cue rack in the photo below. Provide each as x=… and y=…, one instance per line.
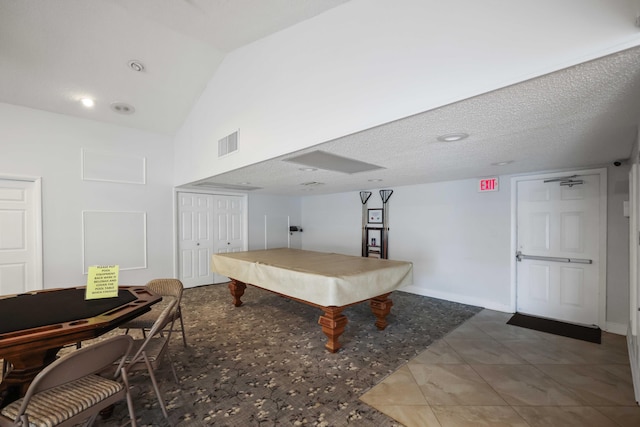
x=375, y=236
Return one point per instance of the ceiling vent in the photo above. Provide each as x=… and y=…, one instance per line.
x=228, y=144
x=224, y=186
x=328, y=161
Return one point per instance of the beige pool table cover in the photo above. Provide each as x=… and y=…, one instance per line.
x=325, y=279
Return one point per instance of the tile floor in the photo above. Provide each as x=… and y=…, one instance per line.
x=488, y=373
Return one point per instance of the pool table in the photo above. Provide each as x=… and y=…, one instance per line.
x=328, y=281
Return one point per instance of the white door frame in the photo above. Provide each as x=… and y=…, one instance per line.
x=602, y=279
x=633, y=344
x=176, y=220
x=633, y=251
x=37, y=216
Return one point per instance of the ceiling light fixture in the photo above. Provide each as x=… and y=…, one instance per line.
x=122, y=108
x=375, y=180
x=308, y=169
x=451, y=137
x=507, y=162
x=87, y=102
x=136, y=65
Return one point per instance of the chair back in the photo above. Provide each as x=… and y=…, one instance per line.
x=80, y=363
x=166, y=287
x=157, y=327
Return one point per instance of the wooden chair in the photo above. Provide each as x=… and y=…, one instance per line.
x=69, y=392
x=147, y=353
x=168, y=289
x=6, y=367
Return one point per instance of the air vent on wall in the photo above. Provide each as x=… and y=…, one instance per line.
x=228, y=144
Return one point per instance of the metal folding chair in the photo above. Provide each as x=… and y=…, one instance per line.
x=168, y=289
x=70, y=392
x=147, y=353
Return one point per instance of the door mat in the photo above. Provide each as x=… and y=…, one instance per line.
x=571, y=330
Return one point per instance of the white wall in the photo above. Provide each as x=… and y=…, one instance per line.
x=332, y=223
x=41, y=144
x=617, y=248
x=369, y=62
x=459, y=240
x=269, y=220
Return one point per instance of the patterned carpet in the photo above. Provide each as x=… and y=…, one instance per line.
x=264, y=363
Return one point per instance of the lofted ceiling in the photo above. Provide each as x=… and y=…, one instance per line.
x=582, y=116
x=52, y=53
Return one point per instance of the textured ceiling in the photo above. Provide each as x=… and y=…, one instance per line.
x=582, y=116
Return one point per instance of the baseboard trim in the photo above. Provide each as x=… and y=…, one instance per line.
x=616, y=328
x=462, y=299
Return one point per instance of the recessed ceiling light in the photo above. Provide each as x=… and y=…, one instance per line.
x=308, y=169
x=122, y=108
x=375, y=180
x=507, y=162
x=87, y=102
x=244, y=183
x=451, y=137
x=136, y=65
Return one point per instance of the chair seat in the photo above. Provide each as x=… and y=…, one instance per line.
x=146, y=320
x=154, y=348
x=143, y=321
x=61, y=403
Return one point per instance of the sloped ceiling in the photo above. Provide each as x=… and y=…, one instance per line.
x=54, y=52
x=586, y=115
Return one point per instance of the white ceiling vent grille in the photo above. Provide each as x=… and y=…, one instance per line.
x=228, y=144
x=323, y=160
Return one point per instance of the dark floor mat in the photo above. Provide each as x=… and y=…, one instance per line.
x=580, y=332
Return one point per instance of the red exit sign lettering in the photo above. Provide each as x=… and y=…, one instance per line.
x=488, y=184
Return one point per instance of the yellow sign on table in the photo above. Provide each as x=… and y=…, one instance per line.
x=102, y=282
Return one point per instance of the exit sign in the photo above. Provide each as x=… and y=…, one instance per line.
x=487, y=184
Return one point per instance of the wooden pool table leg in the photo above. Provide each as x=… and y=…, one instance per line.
x=333, y=323
x=237, y=290
x=381, y=307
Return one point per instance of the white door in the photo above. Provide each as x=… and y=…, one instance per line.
x=230, y=233
x=195, y=238
x=20, y=236
x=558, y=239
